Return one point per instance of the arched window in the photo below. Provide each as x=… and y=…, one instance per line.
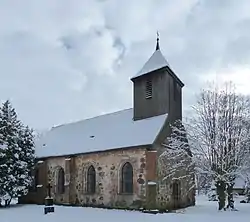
x=60, y=181
x=127, y=178
x=91, y=180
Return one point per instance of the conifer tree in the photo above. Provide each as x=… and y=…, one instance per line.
x=26, y=160
x=3, y=167
x=17, y=154
x=10, y=127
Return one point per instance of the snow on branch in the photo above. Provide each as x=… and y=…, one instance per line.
x=16, y=154
x=220, y=133
x=176, y=160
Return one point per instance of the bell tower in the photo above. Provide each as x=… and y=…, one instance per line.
x=156, y=89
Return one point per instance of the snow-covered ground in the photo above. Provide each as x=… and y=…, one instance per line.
x=204, y=211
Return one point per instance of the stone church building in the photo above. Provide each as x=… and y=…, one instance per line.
x=112, y=160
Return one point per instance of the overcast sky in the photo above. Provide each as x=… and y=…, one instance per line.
x=66, y=60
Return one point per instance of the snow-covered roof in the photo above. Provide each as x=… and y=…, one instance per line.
x=110, y=131
x=156, y=61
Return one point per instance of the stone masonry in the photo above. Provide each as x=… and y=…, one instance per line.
x=108, y=168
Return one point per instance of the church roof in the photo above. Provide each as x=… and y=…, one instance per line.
x=155, y=62
x=105, y=132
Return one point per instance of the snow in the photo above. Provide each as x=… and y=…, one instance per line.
x=40, y=161
x=3, y=146
x=156, y=61
x=110, y=131
x=151, y=183
x=16, y=155
x=204, y=211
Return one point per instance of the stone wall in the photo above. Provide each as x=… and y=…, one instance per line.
x=150, y=189
x=108, y=168
x=108, y=174
x=53, y=166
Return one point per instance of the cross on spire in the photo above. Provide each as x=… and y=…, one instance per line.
x=157, y=41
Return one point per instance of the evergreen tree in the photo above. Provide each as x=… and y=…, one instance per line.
x=3, y=166
x=17, y=154
x=26, y=160
x=10, y=127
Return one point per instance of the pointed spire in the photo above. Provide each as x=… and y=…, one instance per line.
x=157, y=42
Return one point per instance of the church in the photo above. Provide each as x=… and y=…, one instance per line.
x=112, y=160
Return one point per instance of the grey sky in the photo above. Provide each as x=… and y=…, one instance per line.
x=61, y=60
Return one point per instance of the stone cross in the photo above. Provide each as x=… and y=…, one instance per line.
x=49, y=189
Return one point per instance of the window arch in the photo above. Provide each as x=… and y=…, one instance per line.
x=127, y=178
x=91, y=180
x=61, y=181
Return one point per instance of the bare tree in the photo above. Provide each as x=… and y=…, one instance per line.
x=246, y=175
x=203, y=182
x=176, y=163
x=220, y=132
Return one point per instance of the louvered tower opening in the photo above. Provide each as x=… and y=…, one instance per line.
x=148, y=89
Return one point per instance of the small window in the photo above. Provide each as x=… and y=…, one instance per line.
x=149, y=89
x=91, y=180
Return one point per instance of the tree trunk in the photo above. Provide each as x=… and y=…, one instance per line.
x=248, y=196
x=7, y=202
x=230, y=198
x=221, y=192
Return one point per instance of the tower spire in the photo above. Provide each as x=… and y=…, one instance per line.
x=157, y=42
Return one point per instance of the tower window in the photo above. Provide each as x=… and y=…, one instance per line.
x=61, y=181
x=148, y=90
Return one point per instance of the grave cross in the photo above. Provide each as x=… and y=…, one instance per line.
x=49, y=189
